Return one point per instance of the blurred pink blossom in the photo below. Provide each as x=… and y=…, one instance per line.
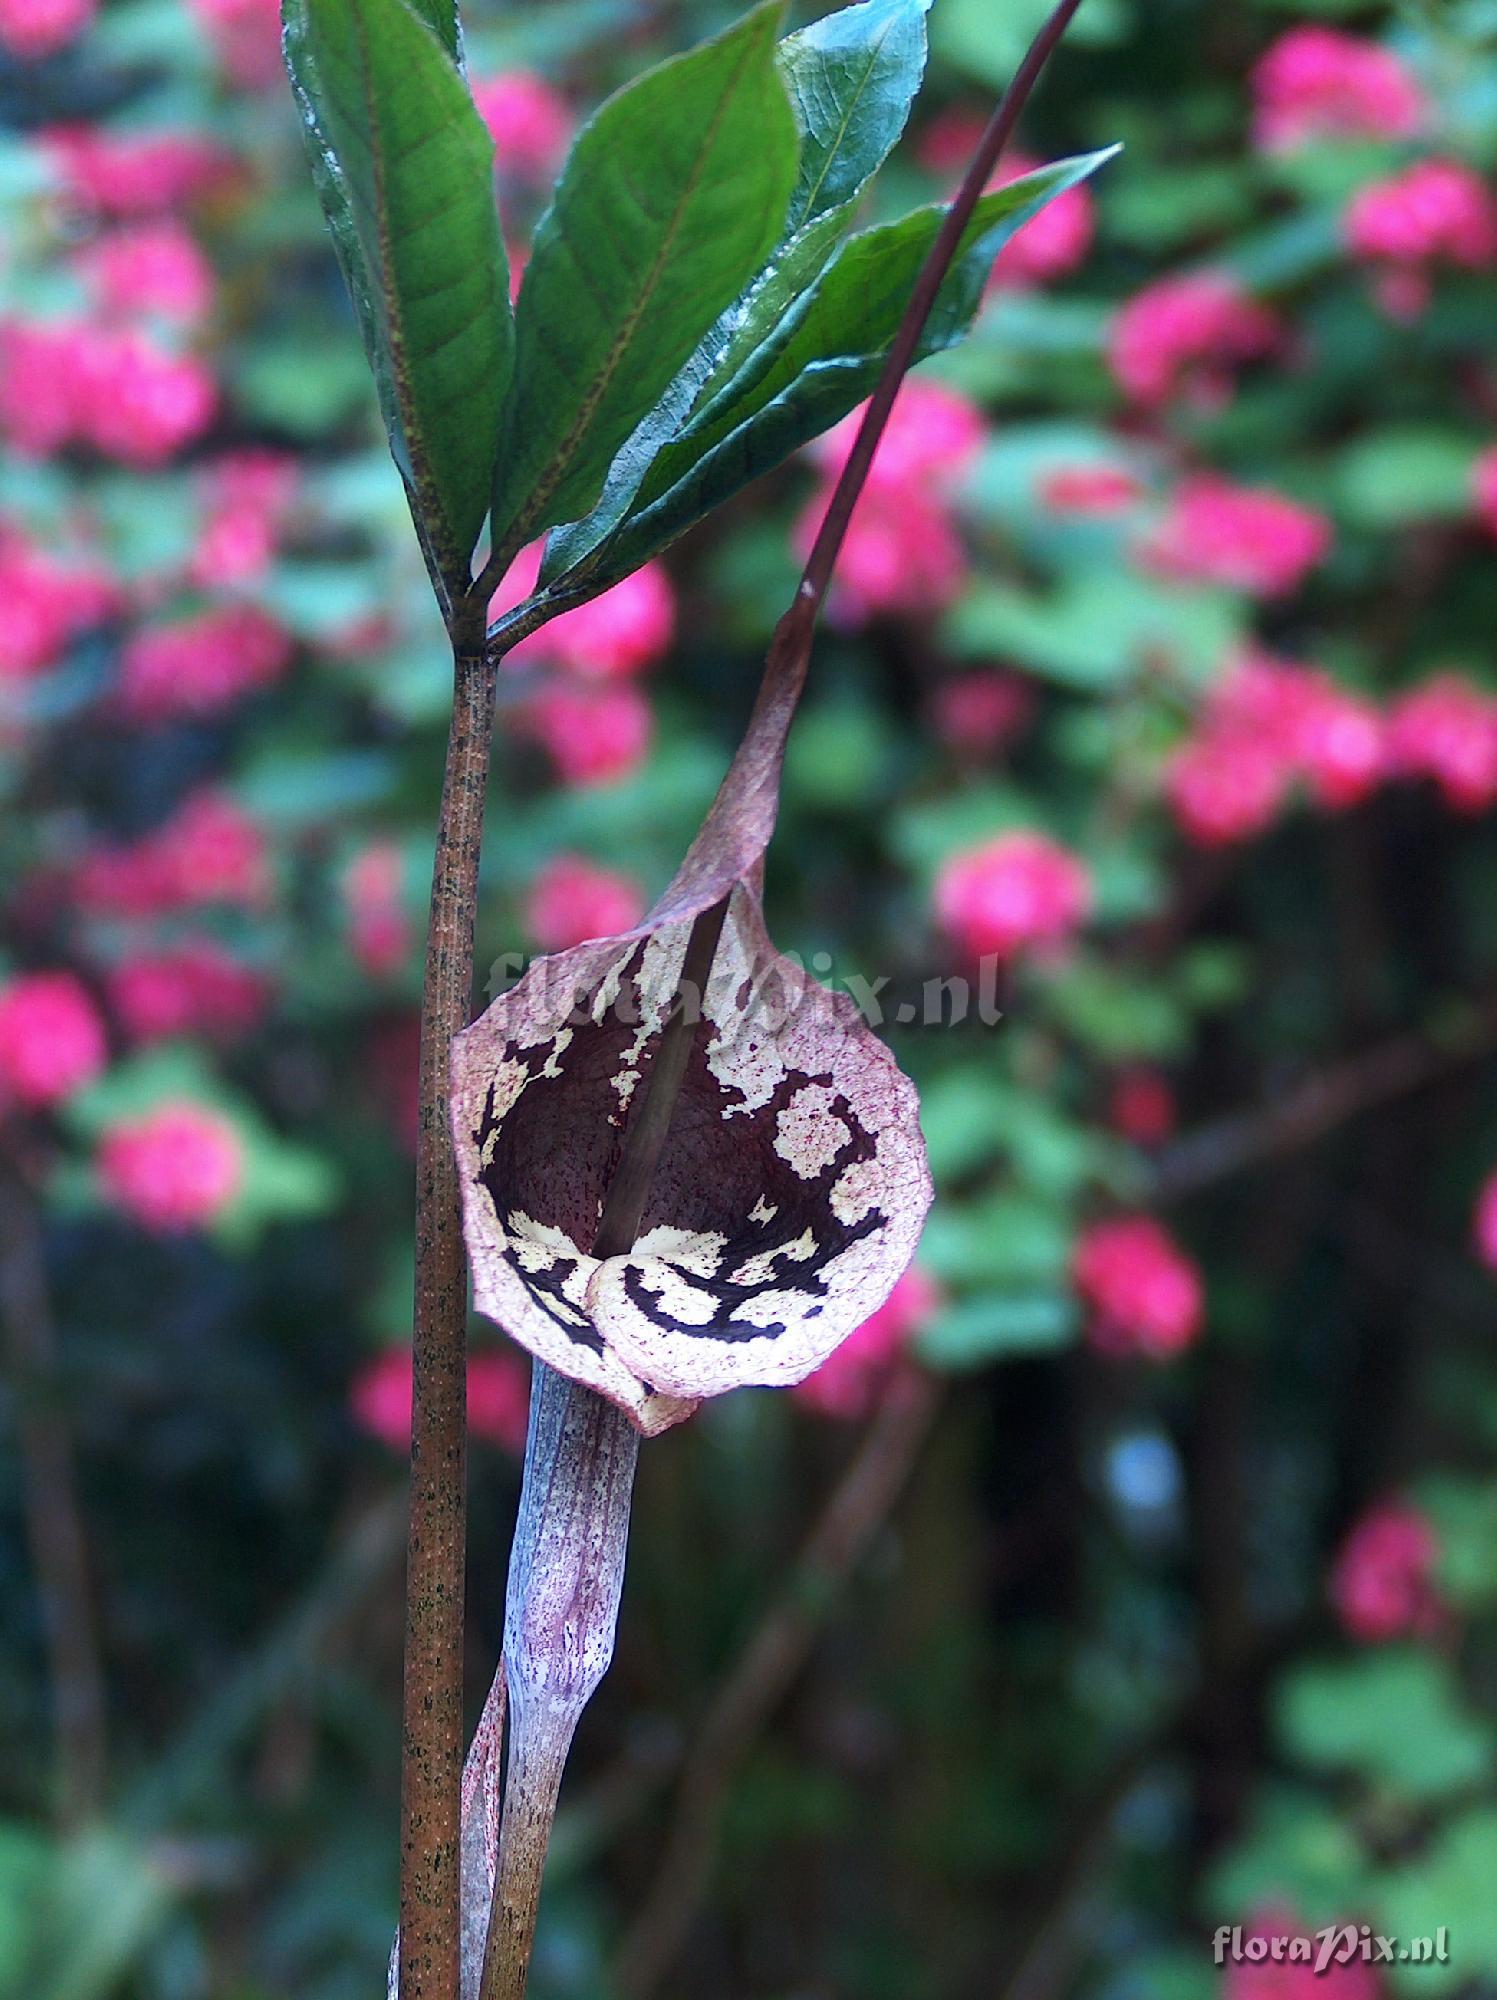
x=1088, y=489
x=380, y=934
x=574, y=899
x=381, y=1396
x=1015, y=892
x=150, y=268
x=1144, y=1294
x=849, y=1383
x=197, y=988
x=51, y=1038
x=1434, y=212
x=246, y=38
x=976, y=714
x=1484, y=1226
x=44, y=603
x=932, y=437
x=202, y=664
x=31, y=29
x=1051, y=244
x=1184, y=336
x=1446, y=729
x=1383, y=1583
x=531, y=124
x=594, y=736
x=1247, y=538
x=1316, y=82
x=174, y=1169
x=137, y=173
x=1141, y=1105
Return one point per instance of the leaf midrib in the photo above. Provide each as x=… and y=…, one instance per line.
x=567, y=446
x=842, y=130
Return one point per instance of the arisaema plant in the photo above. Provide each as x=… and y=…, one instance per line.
x=682, y=1165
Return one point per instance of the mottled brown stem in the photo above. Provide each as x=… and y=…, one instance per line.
x=432, y=1749
x=763, y=1673
x=54, y=1517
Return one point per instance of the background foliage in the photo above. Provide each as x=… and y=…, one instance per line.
x=1184, y=1615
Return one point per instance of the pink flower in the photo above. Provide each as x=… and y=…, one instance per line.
x=1142, y=1106
x=381, y=1395
x=1144, y=1294
x=499, y=1398
x=40, y=367
x=1267, y=723
x=31, y=29
x=977, y=714
x=194, y=989
x=1383, y=1583
x=930, y=440
x=214, y=852
x=51, y=1038
x=379, y=928
x=1485, y=1224
x=1245, y=537
x=950, y=139
x=173, y=1170
x=1340, y=742
x=246, y=37
x=1088, y=489
x=201, y=665
x=1051, y=244
x=248, y=494
x=1185, y=336
x=1015, y=892
x=902, y=555
x=1268, y=1978
x=1318, y=83
x=1226, y=787
x=618, y=633
x=850, y=1382
x=150, y=268
x=1435, y=212
x=530, y=123
x=137, y=173
x=140, y=404
x=594, y=736
x=573, y=899
x=1446, y=729
x=43, y=605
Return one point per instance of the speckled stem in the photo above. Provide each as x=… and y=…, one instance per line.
x=432, y=1751
x=566, y=1572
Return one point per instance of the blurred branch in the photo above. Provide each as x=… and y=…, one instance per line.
x=1318, y=1106
x=764, y=1672
x=54, y=1517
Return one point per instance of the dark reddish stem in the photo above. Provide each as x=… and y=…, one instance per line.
x=793, y=634
x=432, y=1752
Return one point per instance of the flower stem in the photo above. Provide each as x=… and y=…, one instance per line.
x=566, y=1573
x=432, y=1747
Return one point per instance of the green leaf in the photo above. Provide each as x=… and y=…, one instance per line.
x=1396, y=1719
x=673, y=196
x=852, y=77
x=404, y=168
x=984, y=1329
x=1449, y=1884
x=1391, y=477
x=821, y=359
